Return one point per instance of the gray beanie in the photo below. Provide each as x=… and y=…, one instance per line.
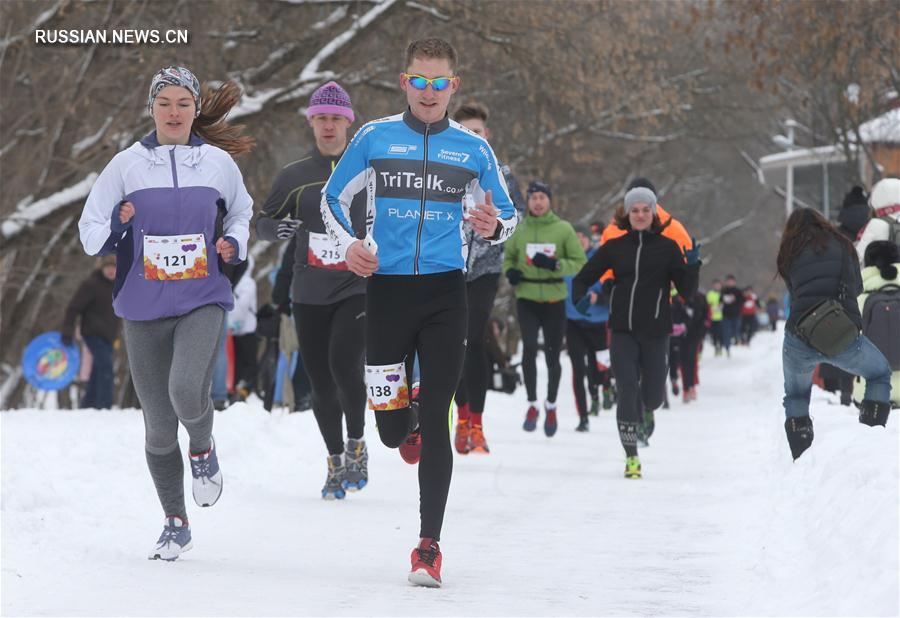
x=582, y=228
x=640, y=195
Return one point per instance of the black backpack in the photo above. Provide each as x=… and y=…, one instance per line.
x=893, y=228
x=881, y=322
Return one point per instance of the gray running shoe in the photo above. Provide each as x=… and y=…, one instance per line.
x=174, y=540
x=356, y=475
x=334, y=489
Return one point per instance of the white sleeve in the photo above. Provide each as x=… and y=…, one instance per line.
x=239, y=205
x=105, y=195
x=875, y=229
x=490, y=178
x=350, y=176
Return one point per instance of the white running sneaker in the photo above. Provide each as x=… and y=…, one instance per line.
x=174, y=540
x=207, y=476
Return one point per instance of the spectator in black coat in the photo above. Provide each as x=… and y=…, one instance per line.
x=818, y=264
x=92, y=303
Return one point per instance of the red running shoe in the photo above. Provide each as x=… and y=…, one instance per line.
x=411, y=449
x=426, y=564
x=477, y=443
x=530, y=419
x=462, y=437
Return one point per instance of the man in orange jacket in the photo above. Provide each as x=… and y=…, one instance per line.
x=674, y=229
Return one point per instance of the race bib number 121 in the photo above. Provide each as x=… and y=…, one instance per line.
x=175, y=257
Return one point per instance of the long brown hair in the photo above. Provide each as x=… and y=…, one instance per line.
x=210, y=125
x=807, y=228
x=620, y=218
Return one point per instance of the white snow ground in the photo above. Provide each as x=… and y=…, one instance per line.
x=723, y=522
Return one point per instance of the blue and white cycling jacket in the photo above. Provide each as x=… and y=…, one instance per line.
x=417, y=178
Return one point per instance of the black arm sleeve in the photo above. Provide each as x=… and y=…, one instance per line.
x=281, y=203
x=281, y=290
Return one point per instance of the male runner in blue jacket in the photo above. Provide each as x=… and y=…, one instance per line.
x=422, y=173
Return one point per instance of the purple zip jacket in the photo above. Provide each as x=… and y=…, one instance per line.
x=176, y=190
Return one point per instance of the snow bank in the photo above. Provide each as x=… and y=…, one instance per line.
x=723, y=523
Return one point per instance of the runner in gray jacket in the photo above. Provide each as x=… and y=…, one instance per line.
x=328, y=299
x=483, y=267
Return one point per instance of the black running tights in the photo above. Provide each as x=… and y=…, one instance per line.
x=427, y=314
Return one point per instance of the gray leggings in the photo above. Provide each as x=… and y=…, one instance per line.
x=172, y=362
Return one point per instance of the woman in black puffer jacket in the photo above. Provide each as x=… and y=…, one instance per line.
x=645, y=264
x=817, y=262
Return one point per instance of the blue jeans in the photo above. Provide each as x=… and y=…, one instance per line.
x=731, y=330
x=799, y=361
x=99, y=392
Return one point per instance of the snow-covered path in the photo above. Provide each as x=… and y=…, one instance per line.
x=721, y=524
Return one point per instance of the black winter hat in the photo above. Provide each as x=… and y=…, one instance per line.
x=539, y=186
x=640, y=181
x=881, y=253
x=855, y=197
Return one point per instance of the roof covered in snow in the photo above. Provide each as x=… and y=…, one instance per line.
x=883, y=129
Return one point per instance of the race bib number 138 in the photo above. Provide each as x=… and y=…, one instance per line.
x=386, y=387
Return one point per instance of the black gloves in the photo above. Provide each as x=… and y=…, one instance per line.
x=285, y=308
x=287, y=228
x=692, y=255
x=542, y=260
x=514, y=276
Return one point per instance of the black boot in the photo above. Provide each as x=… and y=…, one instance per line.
x=874, y=413
x=799, y=430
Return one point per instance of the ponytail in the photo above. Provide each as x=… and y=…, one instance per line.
x=210, y=125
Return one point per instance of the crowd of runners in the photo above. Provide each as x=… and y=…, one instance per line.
x=397, y=240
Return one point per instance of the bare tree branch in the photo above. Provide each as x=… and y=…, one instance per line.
x=40, y=209
x=282, y=56
x=310, y=75
x=428, y=9
x=39, y=264
x=42, y=19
